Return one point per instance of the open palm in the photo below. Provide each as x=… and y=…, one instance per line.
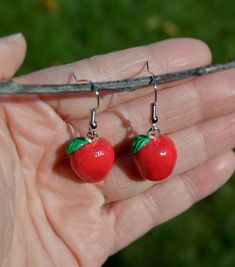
x=48, y=216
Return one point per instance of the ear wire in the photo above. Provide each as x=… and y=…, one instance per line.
x=154, y=131
x=92, y=134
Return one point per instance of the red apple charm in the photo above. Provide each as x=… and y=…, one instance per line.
x=91, y=160
x=155, y=157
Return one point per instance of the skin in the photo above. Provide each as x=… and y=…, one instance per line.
x=47, y=216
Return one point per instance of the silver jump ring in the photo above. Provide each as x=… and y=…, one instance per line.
x=92, y=136
x=153, y=132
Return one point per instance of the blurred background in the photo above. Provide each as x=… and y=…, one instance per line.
x=62, y=31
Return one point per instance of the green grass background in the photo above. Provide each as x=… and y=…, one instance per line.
x=62, y=31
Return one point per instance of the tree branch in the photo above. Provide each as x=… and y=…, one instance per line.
x=12, y=88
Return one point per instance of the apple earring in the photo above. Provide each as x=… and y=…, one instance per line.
x=154, y=154
x=91, y=157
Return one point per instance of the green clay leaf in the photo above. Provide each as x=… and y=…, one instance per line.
x=75, y=144
x=138, y=143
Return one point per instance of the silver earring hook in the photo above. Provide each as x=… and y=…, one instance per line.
x=93, y=88
x=154, y=131
x=92, y=134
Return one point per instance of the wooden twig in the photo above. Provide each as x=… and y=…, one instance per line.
x=12, y=88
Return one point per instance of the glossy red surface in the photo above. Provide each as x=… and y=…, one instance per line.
x=156, y=159
x=93, y=161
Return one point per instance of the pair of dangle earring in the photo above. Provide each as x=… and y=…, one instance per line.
x=154, y=154
x=91, y=157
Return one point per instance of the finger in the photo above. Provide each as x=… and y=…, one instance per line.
x=12, y=53
x=178, y=107
x=133, y=217
x=166, y=56
x=195, y=145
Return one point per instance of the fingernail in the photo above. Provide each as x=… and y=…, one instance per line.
x=11, y=37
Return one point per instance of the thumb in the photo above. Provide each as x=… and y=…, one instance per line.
x=12, y=53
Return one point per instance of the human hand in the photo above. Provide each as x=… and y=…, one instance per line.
x=50, y=218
